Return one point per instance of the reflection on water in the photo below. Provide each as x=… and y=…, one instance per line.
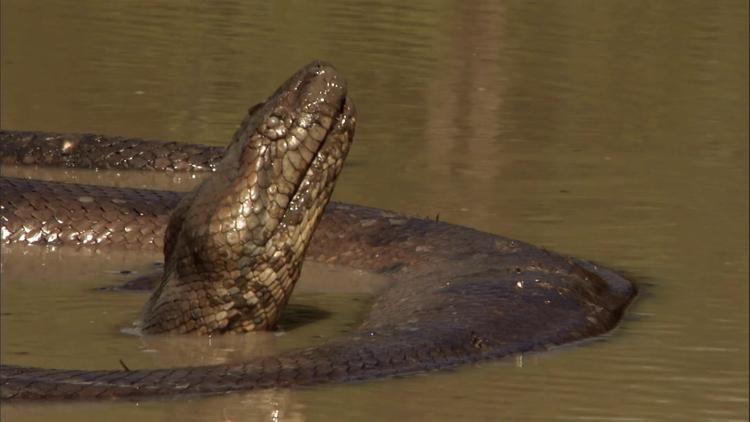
x=612, y=130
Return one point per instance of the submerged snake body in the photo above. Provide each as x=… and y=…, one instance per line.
x=458, y=295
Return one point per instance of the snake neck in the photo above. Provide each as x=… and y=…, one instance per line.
x=234, y=246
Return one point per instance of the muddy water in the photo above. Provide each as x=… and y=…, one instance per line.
x=612, y=130
x=72, y=291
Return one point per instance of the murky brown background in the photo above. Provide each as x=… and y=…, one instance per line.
x=612, y=130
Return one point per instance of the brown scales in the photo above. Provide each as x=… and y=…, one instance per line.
x=458, y=295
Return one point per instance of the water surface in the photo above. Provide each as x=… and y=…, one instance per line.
x=612, y=130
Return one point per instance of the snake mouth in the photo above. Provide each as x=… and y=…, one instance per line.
x=321, y=171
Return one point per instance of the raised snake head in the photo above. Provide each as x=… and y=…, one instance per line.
x=234, y=246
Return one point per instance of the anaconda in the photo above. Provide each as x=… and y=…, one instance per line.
x=233, y=248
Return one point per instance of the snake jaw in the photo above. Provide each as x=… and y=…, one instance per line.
x=240, y=237
x=278, y=143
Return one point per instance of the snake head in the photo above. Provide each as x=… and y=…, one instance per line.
x=239, y=238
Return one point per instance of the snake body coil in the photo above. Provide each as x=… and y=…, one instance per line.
x=234, y=247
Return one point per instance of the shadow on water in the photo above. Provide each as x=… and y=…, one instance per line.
x=298, y=315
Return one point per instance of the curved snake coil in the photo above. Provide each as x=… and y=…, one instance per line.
x=233, y=248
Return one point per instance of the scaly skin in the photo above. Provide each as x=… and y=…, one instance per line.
x=458, y=295
x=233, y=248
x=85, y=150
